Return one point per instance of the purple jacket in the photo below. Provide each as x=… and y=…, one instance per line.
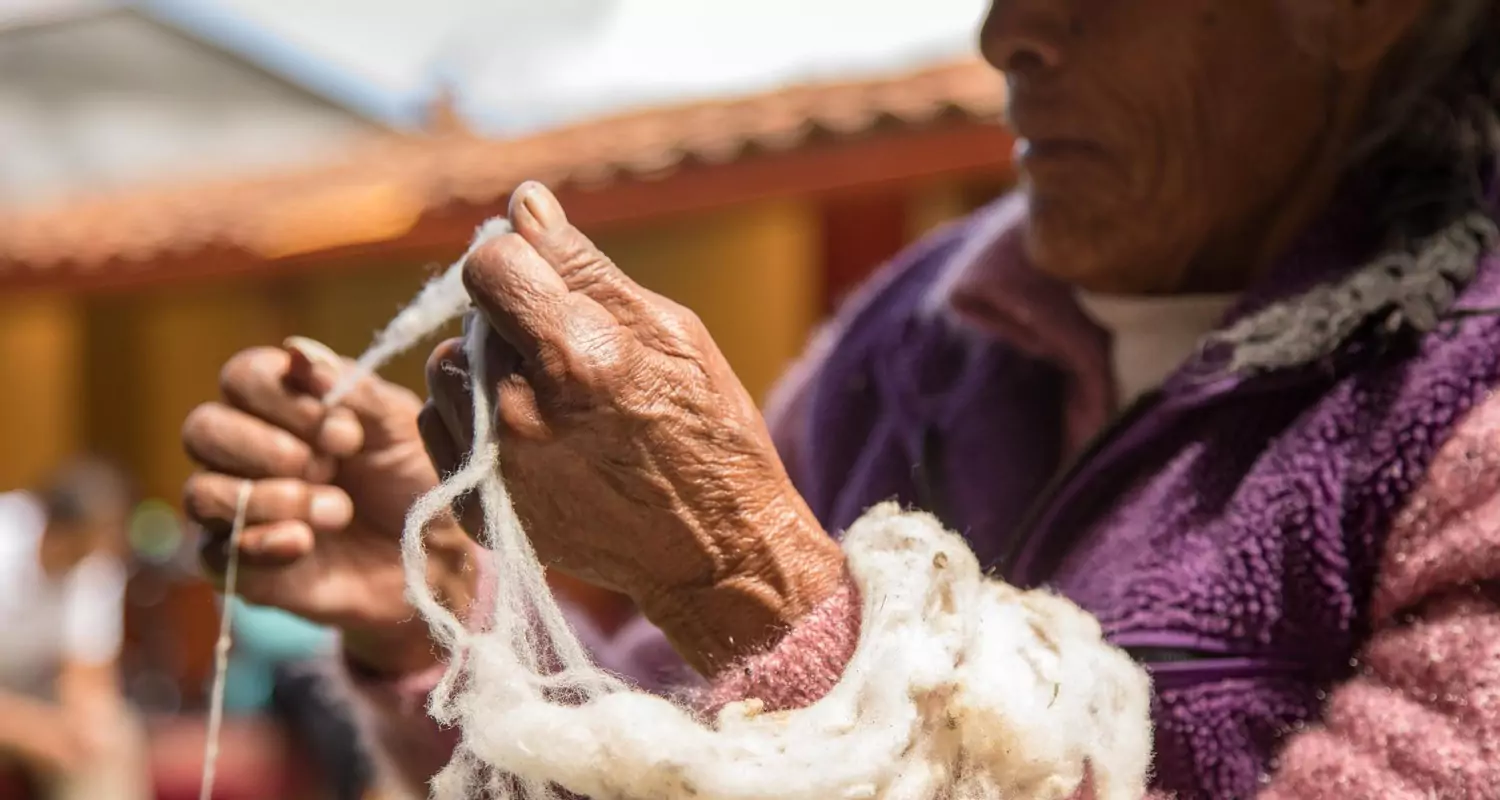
x=1226, y=530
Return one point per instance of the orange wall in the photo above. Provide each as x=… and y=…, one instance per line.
x=41, y=342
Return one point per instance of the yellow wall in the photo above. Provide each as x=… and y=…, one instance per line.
x=344, y=310
x=41, y=341
x=934, y=205
x=753, y=274
x=156, y=356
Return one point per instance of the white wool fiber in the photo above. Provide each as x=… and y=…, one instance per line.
x=442, y=300
x=960, y=687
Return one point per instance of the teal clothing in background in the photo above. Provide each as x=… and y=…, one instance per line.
x=264, y=638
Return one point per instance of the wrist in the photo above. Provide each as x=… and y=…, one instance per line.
x=789, y=567
x=401, y=647
x=389, y=653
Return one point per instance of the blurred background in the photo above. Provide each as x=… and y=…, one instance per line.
x=180, y=179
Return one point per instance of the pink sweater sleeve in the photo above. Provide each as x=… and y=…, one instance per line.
x=1422, y=717
x=802, y=667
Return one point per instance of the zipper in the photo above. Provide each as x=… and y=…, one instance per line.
x=1192, y=670
x=1028, y=527
x=1191, y=397
x=1179, y=393
x=1177, y=657
x=930, y=476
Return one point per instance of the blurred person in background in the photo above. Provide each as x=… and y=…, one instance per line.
x=278, y=666
x=65, y=728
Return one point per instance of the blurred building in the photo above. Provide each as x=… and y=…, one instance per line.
x=176, y=188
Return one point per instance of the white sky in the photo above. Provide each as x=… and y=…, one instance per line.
x=523, y=64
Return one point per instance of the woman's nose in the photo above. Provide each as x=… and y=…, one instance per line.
x=1024, y=37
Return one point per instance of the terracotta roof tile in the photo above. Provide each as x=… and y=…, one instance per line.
x=396, y=177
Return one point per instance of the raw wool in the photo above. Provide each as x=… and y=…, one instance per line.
x=960, y=686
x=441, y=300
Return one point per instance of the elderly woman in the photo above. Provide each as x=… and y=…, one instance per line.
x=1219, y=373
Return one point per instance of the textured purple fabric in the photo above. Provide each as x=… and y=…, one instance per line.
x=1228, y=532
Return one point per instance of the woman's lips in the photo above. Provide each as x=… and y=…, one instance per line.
x=1030, y=152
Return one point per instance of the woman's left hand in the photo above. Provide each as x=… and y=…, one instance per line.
x=635, y=458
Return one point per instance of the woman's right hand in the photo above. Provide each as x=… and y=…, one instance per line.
x=330, y=490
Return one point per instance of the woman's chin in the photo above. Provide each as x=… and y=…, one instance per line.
x=1089, y=251
x=1071, y=256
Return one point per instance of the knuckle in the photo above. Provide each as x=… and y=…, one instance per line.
x=279, y=500
x=196, y=496
x=588, y=269
x=285, y=455
x=495, y=253
x=243, y=370
x=686, y=317
x=597, y=360
x=198, y=426
x=685, y=324
x=516, y=410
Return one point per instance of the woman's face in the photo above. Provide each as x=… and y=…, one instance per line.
x=1157, y=136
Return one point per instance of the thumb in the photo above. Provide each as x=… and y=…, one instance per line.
x=315, y=368
x=374, y=411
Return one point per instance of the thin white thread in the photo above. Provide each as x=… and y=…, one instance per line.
x=221, y=647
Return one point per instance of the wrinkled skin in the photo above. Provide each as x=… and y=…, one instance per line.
x=635, y=458
x=1166, y=146
x=330, y=493
x=1177, y=145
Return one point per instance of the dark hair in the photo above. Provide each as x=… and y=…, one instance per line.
x=1431, y=153
x=85, y=490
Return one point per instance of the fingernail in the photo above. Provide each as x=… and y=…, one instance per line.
x=315, y=351
x=542, y=206
x=330, y=510
x=342, y=435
